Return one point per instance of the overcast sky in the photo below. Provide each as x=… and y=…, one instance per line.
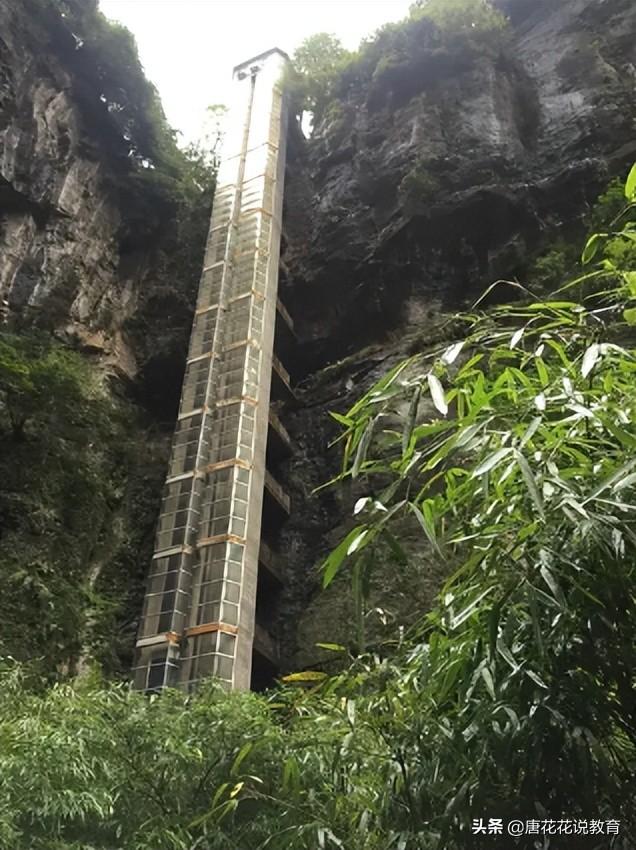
x=189, y=47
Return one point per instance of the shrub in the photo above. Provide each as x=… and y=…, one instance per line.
x=317, y=63
x=474, y=18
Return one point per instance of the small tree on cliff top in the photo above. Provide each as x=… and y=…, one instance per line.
x=317, y=62
x=471, y=17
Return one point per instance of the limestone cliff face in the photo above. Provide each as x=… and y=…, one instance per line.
x=441, y=169
x=85, y=236
x=439, y=172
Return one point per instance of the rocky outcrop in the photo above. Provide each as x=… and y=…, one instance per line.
x=444, y=168
x=86, y=230
x=438, y=171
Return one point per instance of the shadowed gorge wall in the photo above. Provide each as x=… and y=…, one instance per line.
x=436, y=169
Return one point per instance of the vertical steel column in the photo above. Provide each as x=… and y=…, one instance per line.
x=198, y=617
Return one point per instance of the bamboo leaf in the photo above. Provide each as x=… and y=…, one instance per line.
x=532, y=429
x=516, y=337
x=335, y=559
x=427, y=526
x=305, y=676
x=452, y=353
x=437, y=394
x=592, y=246
x=245, y=750
x=553, y=584
x=357, y=541
x=611, y=481
x=410, y=420
x=491, y=461
x=536, y=679
x=343, y=420
x=486, y=675
x=630, y=184
x=531, y=483
x=363, y=447
x=590, y=358
x=361, y=504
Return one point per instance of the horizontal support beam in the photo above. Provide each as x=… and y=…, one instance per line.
x=265, y=645
x=277, y=426
x=268, y=559
x=283, y=312
x=155, y=640
x=206, y=628
x=221, y=538
x=272, y=485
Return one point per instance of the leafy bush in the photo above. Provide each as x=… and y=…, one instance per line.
x=65, y=458
x=474, y=18
x=317, y=63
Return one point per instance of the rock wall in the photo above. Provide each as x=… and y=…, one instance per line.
x=85, y=232
x=444, y=168
x=437, y=172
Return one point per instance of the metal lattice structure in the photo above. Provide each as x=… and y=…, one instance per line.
x=198, y=617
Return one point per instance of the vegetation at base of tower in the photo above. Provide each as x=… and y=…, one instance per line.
x=68, y=464
x=513, y=450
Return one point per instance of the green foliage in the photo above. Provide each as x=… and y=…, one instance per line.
x=421, y=43
x=87, y=766
x=63, y=460
x=608, y=205
x=123, y=110
x=561, y=261
x=113, y=89
x=476, y=19
x=317, y=63
x=523, y=482
x=551, y=269
x=418, y=189
x=324, y=70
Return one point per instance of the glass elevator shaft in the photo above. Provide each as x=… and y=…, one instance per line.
x=199, y=611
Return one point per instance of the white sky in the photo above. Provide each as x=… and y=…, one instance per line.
x=189, y=47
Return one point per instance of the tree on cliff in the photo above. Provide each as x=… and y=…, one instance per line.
x=460, y=16
x=317, y=63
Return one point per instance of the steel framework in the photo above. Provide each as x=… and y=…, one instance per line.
x=198, y=617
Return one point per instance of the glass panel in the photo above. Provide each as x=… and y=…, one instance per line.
x=224, y=667
x=210, y=287
x=226, y=643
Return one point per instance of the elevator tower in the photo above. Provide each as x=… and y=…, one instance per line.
x=199, y=613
